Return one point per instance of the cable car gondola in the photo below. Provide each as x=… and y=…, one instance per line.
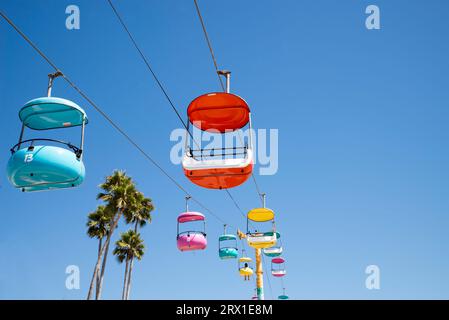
x=219, y=112
x=245, y=270
x=278, y=267
x=273, y=251
x=255, y=297
x=191, y=240
x=227, y=246
x=261, y=240
x=283, y=296
x=35, y=167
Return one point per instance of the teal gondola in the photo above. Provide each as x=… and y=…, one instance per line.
x=227, y=246
x=283, y=296
x=44, y=166
x=272, y=252
x=275, y=251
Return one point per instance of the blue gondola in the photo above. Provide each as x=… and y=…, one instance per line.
x=34, y=167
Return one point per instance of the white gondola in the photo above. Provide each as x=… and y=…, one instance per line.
x=273, y=251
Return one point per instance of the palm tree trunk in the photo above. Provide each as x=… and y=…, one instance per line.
x=128, y=289
x=101, y=275
x=128, y=285
x=97, y=265
x=100, y=242
x=95, y=274
x=125, y=280
x=105, y=255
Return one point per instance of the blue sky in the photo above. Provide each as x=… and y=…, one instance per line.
x=363, y=143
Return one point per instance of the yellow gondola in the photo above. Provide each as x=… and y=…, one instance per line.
x=261, y=240
x=245, y=269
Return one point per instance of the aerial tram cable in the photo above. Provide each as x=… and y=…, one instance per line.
x=237, y=205
x=104, y=115
x=209, y=44
x=145, y=60
x=257, y=187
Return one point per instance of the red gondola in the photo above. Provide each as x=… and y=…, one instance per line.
x=221, y=168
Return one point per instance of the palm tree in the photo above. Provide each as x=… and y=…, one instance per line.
x=118, y=193
x=129, y=247
x=138, y=213
x=98, y=225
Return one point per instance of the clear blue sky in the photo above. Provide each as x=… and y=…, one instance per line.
x=363, y=162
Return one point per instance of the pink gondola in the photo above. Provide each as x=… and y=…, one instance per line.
x=191, y=240
x=278, y=267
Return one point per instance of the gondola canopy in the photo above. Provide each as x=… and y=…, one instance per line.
x=218, y=111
